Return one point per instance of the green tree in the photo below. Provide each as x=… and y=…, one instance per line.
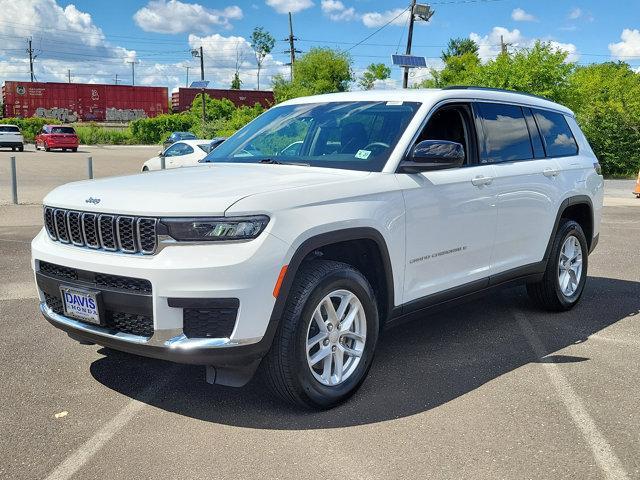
x=375, y=71
x=606, y=100
x=321, y=70
x=458, y=47
x=540, y=70
x=262, y=43
x=236, y=83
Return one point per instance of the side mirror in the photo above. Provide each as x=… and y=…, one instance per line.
x=161, y=153
x=433, y=155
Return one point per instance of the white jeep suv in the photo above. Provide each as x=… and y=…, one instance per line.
x=291, y=260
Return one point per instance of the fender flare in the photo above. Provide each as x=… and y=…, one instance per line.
x=566, y=203
x=322, y=240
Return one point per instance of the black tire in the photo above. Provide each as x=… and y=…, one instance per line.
x=547, y=293
x=75, y=149
x=46, y=148
x=145, y=169
x=285, y=367
x=21, y=148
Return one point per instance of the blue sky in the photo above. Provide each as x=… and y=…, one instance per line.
x=96, y=39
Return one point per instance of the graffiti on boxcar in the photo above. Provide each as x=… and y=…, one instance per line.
x=60, y=114
x=126, y=115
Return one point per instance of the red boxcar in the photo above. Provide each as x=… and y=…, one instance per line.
x=71, y=102
x=183, y=98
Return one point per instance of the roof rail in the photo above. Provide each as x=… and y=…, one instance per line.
x=490, y=89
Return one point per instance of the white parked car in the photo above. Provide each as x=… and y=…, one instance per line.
x=183, y=153
x=394, y=202
x=10, y=136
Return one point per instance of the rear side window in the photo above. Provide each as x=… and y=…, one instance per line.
x=506, y=136
x=558, y=138
x=9, y=129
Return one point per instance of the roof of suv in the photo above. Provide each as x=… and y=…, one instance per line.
x=434, y=95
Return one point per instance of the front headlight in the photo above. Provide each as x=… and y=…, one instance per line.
x=212, y=229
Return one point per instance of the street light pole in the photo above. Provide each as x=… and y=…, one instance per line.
x=405, y=77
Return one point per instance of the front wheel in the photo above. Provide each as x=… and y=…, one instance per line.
x=47, y=148
x=566, y=274
x=326, y=338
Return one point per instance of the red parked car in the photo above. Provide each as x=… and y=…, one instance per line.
x=57, y=136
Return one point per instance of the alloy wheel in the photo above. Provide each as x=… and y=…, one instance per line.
x=570, y=266
x=336, y=337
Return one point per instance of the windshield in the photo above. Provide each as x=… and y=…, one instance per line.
x=347, y=135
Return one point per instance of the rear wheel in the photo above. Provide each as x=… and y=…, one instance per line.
x=74, y=149
x=566, y=274
x=327, y=336
x=21, y=148
x=47, y=148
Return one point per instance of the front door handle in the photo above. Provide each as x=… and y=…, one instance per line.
x=481, y=180
x=551, y=172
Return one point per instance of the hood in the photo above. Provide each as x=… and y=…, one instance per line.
x=202, y=190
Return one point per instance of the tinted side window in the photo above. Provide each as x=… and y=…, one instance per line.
x=506, y=137
x=558, y=138
x=536, y=140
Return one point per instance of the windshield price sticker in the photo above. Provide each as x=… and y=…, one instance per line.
x=363, y=154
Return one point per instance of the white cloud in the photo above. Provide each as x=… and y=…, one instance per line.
x=397, y=16
x=579, y=14
x=575, y=13
x=173, y=16
x=519, y=15
x=68, y=39
x=628, y=47
x=221, y=53
x=286, y=6
x=337, y=11
x=489, y=45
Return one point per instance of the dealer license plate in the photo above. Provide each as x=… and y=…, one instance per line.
x=80, y=304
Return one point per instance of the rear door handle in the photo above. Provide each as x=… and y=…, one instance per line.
x=550, y=172
x=481, y=180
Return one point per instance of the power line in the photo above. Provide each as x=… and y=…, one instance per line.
x=383, y=26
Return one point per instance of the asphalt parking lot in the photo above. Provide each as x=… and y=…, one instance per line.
x=38, y=171
x=489, y=389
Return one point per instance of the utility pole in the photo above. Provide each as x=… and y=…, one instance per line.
x=503, y=46
x=187, y=67
x=405, y=77
x=292, y=46
x=30, y=52
x=116, y=79
x=69, y=74
x=133, y=71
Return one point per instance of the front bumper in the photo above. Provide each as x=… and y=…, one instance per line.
x=180, y=276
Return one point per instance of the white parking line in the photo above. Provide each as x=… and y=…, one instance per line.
x=602, y=451
x=88, y=449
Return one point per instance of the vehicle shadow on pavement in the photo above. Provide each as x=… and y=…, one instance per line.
x=419, y=365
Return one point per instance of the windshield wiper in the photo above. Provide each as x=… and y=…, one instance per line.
x=271, y=161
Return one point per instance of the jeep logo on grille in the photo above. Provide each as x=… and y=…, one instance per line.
x=95, y=201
